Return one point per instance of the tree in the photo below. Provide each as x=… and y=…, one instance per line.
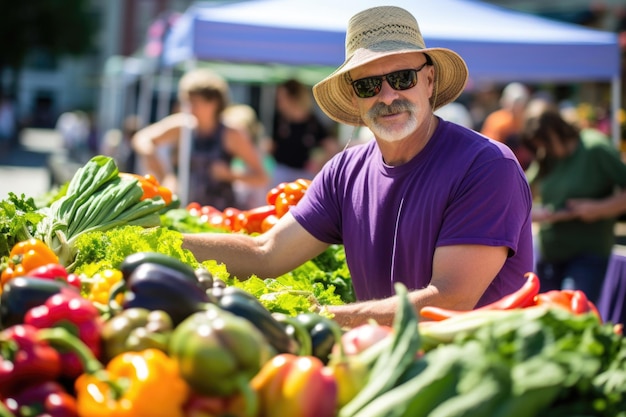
x=60, y=27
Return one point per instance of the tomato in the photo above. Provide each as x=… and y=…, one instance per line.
x=216, y=220
x=209, y=210
x=233, y=218
x=303, y=182
x=194, y=205
x=294, y=191
x=273, y=193
x=268, y=222
x=283, y=203
x=254, y=217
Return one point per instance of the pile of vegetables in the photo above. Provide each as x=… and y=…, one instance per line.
x=106, y=317
x=256, y=220
x=97, y=198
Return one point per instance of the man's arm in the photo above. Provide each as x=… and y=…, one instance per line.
x=461, y=274
x=273, y=253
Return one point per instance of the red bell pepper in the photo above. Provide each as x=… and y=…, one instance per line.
x=69, y=308
x=291, y=385
x=55, y=271
x=574, y=301
x=523, y=297
x=44, y=399
x=24, y=359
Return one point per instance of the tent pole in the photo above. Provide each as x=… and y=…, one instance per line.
x=184, y=151
x=615, y=109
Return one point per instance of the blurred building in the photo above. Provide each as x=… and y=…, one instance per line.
x=50, y=86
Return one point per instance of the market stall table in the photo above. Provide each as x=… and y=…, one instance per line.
x=612, y=302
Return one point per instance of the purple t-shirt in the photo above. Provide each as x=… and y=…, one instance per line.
x=462, y=188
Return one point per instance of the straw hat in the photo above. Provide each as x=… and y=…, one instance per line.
x=376, y=33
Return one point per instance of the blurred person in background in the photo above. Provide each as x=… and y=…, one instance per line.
x=456, y=112
x=579, y=186
x=244, y=117
x=203, y=96
x=117, y=143
x=505, y=124
x=75, y=128
x=301, y=144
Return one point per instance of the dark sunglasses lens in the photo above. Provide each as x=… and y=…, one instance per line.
x=368, y=87
x=402, y=80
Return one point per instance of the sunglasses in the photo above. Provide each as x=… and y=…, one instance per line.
x=398, y=80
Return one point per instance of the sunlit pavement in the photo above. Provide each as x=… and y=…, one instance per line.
x=23, y=169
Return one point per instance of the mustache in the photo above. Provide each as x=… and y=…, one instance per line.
x=396, y=106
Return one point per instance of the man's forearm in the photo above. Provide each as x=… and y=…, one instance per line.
x=381, y=311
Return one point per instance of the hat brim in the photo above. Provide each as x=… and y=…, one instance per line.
x=334, y=93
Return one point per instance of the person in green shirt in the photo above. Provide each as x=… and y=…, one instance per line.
x=578, y=180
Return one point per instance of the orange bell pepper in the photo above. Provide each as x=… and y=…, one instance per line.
x=134, y=384
x=152, y=387
x=25, y=256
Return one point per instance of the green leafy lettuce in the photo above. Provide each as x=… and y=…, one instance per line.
x=97, y=251
x=18, y=220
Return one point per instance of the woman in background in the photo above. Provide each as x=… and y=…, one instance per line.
x=203, y=96
x=578, y=179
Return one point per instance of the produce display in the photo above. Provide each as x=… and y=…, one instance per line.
x=103, y=313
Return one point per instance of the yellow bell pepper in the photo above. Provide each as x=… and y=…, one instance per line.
x=135, y=384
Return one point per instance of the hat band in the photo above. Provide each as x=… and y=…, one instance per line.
x=388, y=33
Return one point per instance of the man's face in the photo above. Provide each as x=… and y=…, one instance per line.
x=392, y=115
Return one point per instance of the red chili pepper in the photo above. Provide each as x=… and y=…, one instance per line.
x=24, y=359
x=69, y=308
x=524, y=297
x=45, y=398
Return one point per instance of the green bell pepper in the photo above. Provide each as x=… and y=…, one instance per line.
x=218, y=353
x=136, y=329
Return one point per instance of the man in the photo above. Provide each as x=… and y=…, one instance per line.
x=428, y=203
